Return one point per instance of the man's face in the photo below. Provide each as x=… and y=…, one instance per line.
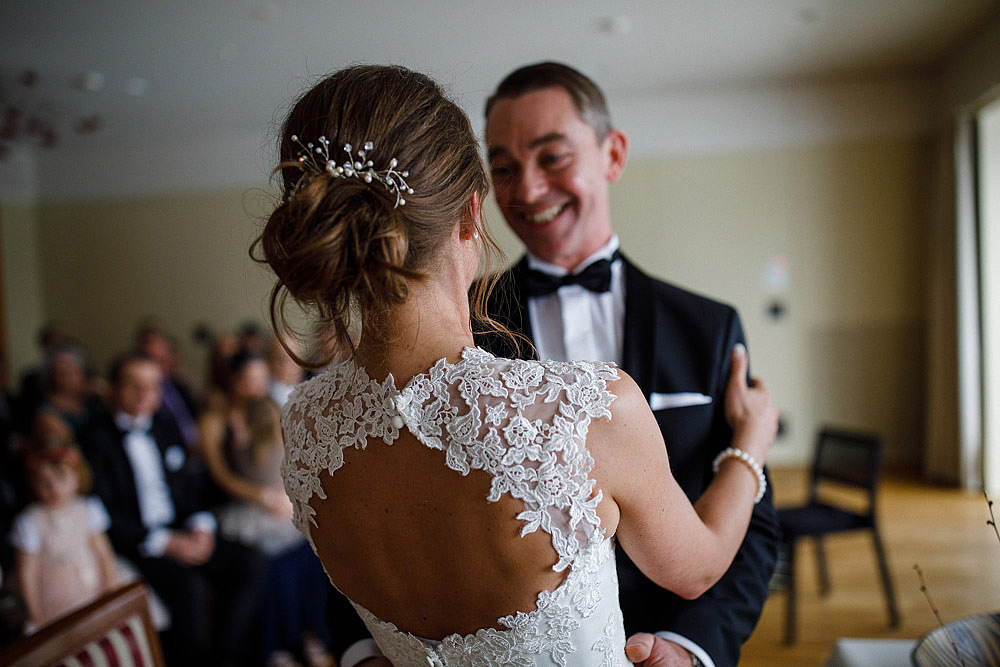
x=551, y=174
x=137, y=393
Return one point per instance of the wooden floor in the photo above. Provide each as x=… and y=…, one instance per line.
x=942, y=530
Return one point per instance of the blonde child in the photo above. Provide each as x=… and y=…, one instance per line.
x=64, y=557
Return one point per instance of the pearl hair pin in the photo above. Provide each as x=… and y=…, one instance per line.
x=316, y=157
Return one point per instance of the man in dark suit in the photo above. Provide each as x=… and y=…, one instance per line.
x=553, y=154
x=159, y=521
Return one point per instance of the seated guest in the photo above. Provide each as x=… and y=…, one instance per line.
x=13, y=488
x=159, y=522
x=30, y=393
x=285, y=373
x=242, y=448
x=252, y=338
x=178, y=399
x=13, y=496
x=223, y=348
x=64, y=559
x=69, y=402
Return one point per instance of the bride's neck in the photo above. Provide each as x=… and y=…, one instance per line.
x=432, y=324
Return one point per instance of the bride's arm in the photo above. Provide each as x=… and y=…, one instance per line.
x=681, y=547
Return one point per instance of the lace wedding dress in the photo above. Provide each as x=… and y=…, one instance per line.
x=523, y=422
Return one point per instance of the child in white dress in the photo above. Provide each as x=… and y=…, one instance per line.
x=64, y=557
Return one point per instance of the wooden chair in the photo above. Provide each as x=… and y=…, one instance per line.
x=115, y=629
x=849, y=461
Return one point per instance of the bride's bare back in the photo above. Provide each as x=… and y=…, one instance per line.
x=427, y=533
x=416, y=543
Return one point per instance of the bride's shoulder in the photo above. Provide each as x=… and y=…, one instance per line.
x=598, y=374
x=326, y=385
x=603, y=370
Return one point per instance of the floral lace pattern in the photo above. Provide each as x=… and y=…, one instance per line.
x=523, y=422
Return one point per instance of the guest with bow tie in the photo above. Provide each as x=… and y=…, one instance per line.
x=160, y=521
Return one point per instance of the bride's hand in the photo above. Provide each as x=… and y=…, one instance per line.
x=749, y=410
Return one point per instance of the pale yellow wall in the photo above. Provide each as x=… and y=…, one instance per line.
x=24, y=309
x=182, y=258
x=849, y=217
x=851, y=220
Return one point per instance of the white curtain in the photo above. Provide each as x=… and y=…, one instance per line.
x=970, y=445
x=988, y=186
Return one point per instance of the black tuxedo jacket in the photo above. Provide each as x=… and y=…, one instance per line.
x=675, y=342
x=114, y=481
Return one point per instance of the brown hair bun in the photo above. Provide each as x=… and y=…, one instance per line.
x=341, y=247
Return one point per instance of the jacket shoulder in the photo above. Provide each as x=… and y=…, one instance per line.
x=680, y=303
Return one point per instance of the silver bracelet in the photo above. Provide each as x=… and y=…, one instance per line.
x=749, y=461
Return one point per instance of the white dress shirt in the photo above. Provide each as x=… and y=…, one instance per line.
x=156, y=507
x=574, y=323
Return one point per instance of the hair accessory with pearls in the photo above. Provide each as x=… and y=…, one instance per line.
x=317, y=159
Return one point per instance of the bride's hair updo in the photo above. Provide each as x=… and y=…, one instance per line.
x=342, y=247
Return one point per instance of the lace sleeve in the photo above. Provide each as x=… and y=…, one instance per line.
x=322, y=417
x=526, y=424
x=523, y=422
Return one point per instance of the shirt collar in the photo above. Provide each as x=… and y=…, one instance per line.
x=604, y=252
x=128, y=423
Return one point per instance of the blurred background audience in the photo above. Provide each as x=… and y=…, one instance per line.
x=242, y=447
x=187, y=495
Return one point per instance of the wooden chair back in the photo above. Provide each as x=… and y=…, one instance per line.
x=115, y=629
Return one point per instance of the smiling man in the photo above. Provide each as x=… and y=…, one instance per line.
x=553, y=154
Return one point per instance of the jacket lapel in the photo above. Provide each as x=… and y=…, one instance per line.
x=638, y=346
x=508, y=305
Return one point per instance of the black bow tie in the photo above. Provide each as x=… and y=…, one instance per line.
x=596, y=277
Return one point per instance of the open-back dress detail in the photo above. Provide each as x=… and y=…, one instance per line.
x=525, y=423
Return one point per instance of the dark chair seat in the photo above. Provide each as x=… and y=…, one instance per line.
x=816, y=518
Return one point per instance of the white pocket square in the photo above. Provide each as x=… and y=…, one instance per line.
x=681, y=400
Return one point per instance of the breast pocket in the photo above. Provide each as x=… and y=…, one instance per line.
x=658, y=401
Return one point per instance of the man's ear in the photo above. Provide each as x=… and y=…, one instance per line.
x=615, y=145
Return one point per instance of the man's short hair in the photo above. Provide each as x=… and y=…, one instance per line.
x=119, y=363
x=586, y=95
